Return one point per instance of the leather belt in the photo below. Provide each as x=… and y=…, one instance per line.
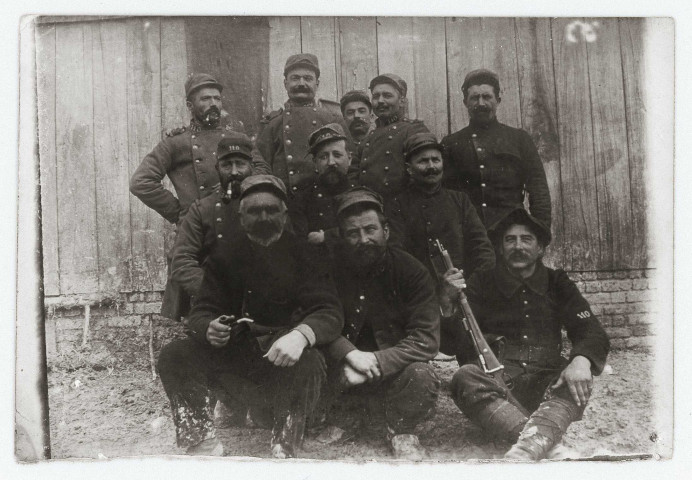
x=532, y=353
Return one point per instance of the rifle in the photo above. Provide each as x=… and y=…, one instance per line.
x=486, y=358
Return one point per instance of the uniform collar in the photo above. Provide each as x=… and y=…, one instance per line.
x=291, y=104
x=383, y=122
x=427, y=194
x=508, y=284
x=484, y=127
x=197, y=126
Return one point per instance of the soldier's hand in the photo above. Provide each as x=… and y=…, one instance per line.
x=577, y=377
x=365, y=363
x=452, y=282
x=316, y=237
x=218, y=333
x=286, y=351
x=350, y=377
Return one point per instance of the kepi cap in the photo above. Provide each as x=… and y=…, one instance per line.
x=263, y=183
x=234, y=144
x=200, y=80
x=395, y=80
x=521, y=217
x=355, y=96
x=358, y=195
x=306, y=60
x=481, y=76
x=331, y=131
x=419, y=141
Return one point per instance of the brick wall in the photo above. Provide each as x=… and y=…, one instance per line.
x=128, y=329
x=622, y=302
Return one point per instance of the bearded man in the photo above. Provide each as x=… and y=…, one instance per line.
x=262, y=308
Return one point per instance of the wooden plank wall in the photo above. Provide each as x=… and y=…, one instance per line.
x=107, y=89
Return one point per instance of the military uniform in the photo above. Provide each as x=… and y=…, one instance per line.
x=529, y=313
x=283, y=141
x=379, y=161
x=188, y=156
x=280, y=290
x=495, y=165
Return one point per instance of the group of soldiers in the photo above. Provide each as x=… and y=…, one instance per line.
x=304, y=272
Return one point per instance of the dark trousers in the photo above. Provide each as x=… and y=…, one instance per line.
x=188, y=368
x=409, y=397
x=504, y=412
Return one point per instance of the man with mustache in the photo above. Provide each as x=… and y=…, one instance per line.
x=357, y=111
x=262, y=308
x=494, y=164
x=211, y=221
x=313, y=211
x=283, y=139
x=528, y=304
x=186, y=156
x=379, y=160
x=391, y=322
x=426, y=211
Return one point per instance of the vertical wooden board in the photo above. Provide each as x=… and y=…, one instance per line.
x=580, y=204
x=358, y=47
x=235, y=51
x=319, y=38
x=500, y=56
x=632, y=50
x=395, y=54
x=173, y=75
x=610, y=145
x=45, y=71
x=464, y=54
x=539, y=115
x=75, y=160
x=430, y=73
x=148, y=265
x=111, y=155
x=284, y=41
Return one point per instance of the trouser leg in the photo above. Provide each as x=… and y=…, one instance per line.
x=183, y=368
x=296, y=392
x=410, y=397
x=546, y=426
x=488, y=403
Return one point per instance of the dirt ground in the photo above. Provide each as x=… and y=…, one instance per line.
x=98, y=411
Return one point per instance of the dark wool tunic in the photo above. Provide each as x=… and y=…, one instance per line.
x=495, y=165
x=531, y=312
x=417, y=218
x=188, y=157
x=276, y=286
x=397, y=304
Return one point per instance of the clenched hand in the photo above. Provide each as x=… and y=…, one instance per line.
x=286, y=351
x=365, y=363
x=218, y=333
x=577, y=377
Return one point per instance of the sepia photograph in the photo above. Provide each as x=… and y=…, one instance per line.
x=390, y=239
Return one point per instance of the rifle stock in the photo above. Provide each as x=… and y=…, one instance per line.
x=484, y=354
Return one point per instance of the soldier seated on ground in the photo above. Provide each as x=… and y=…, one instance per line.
x=528, y=304
x=261, y=309
x=391, y=322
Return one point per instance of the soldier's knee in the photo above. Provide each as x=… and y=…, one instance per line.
x=466, y=375
x=311, y=363
x=419, y=379
x=172, y=356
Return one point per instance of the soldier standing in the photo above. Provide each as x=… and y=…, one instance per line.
x=494, y=164
x=357, y=111
x=379, y=161
x=187, y=157
x=283, y=140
